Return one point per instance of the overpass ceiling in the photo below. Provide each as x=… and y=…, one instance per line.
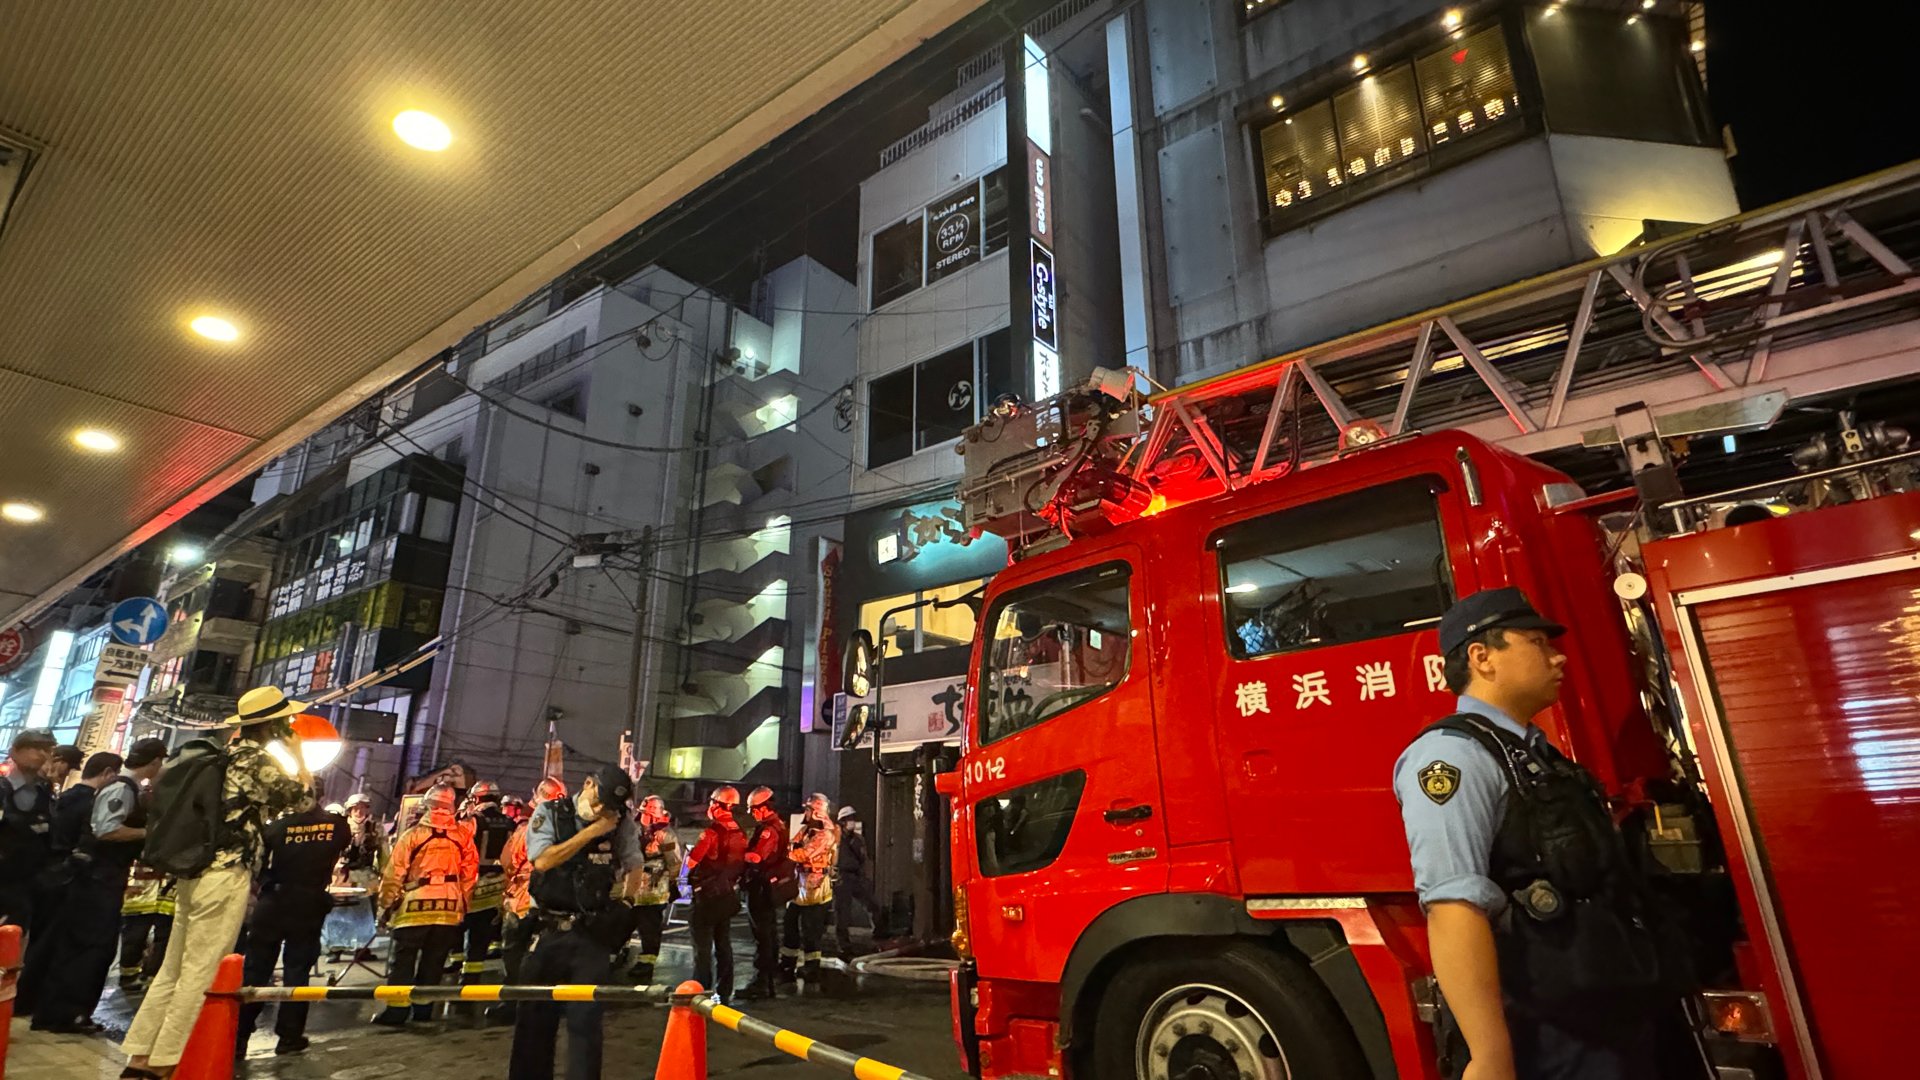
x=238, y=159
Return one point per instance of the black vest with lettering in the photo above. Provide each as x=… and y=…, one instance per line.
x=492, y=828
x=1575, y=940
x=26, y=836
x=582, y=884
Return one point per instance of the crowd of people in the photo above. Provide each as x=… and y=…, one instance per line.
x=171, y=860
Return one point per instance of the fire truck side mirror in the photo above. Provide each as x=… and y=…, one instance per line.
x=947, y=783
x=857, y=673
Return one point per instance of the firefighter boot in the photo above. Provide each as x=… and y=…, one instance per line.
x=422, y=1014
x=760, y=989
x=392, y=1016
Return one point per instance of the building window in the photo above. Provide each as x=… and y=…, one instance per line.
x=1388, y=123
x=1351, y=568
x=1600, y=75
x=933, y=402
x=946, y=236
x=898, y=261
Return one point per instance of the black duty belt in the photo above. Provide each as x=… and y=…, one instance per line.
x=433, y=879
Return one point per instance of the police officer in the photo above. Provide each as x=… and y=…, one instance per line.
x=284, y=929
x=768, y=884
x=89, y=929
x=57, y=944
x=1538, y=923
x=713, y=875
x=491, y=828
x=26, y=829
x=581, y=851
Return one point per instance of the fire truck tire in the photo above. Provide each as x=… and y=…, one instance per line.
x=1238, y=1010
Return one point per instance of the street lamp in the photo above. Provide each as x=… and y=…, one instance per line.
x=320, y=742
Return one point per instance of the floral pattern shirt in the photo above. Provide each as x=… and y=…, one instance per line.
x=257, y=791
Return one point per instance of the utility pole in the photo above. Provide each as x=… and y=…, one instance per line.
x=642, y=610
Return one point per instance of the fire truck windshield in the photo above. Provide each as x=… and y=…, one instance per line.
x=1052, y=646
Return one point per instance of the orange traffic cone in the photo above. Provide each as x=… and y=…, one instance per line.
x=683, y=1053
x=9, y=974
x=209, y=1051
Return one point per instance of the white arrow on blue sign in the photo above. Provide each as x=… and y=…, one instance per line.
x=137, y=621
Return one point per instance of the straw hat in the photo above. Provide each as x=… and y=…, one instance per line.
x=264, y=703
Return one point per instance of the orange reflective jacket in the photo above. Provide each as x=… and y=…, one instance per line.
x=431, y=874
x=519, y=871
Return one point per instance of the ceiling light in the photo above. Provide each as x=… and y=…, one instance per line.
x=22, y=512
x=422, y=130
x=1277, y=102
x=1243, y=587
x=1646, y=5
x=1553, y=9
x=1697, y=46
x=96, y=440
x=215, y=328
x=1451, y=20
x=1360, y=62
x=1633, y=20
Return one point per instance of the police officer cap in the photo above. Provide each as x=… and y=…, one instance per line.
x=1488, y=609
x=616, y=787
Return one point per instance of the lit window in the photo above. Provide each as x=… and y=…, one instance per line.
x=1462, y=81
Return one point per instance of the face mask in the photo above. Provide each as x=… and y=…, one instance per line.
x=853, y=827
x=584, y=808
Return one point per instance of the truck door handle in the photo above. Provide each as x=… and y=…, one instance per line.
x=1124, y=814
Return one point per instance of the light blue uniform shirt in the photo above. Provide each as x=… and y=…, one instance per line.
x=541, y=834
x=114, y=805
x=1451, y=838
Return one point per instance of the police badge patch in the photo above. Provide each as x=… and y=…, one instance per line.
x=1439, y=780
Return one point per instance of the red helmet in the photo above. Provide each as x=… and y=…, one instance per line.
x=549, y=789
x=761, y=796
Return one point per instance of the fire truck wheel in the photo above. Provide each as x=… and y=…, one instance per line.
x=1237, y=1011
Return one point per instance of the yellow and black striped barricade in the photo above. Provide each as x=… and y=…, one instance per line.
x=797, y=1045
x=482, y=992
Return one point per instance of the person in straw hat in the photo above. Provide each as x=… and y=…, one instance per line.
x=261, y=778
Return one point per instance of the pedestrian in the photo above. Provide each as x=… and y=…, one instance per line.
x=490, y=828
x=516, y=929
x=814, y=851
x=769, y=883
x=1537, y=921
x=582, y=853
x=424, y=895
x=63, y=876
x=88, y=930
x=259, y=776
x=26, y=830
x=655, y=893
x=301, y=852
x=714, y=868
x=855, y=885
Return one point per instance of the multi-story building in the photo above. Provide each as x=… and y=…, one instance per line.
x=215, y=601
x=542, y=542
x=1308, y=168
x=1220, y=183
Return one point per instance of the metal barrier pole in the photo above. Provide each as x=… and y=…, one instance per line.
x=10, y=937
x=797, y=1045
x=485, y=992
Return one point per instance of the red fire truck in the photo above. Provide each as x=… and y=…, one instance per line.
x=1176, y=851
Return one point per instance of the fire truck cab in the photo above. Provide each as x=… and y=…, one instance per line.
x=1176, y=841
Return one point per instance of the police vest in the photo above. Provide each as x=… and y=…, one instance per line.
x=491, y=830
x=582, y=884
x=25, y=835
x=1576, y=941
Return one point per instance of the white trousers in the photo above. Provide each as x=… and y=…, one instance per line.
x=207, y=914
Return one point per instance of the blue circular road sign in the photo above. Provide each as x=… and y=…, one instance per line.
x=137, y=621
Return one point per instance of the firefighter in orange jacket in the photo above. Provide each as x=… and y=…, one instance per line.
x=425, y=892
x=516, y=930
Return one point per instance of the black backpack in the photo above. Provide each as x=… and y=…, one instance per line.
x=188, y=822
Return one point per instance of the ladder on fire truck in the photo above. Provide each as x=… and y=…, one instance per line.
x=1718, y=329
